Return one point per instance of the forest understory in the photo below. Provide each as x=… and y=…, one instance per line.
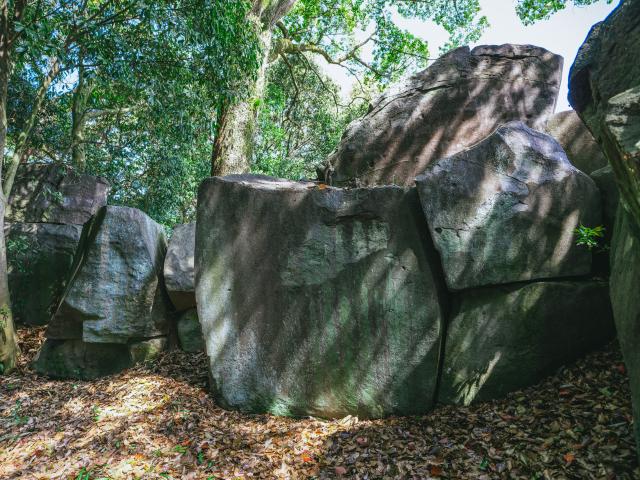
x=158, y=421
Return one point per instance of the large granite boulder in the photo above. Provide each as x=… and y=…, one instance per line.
x=51, y=193
x=576, y=140
x=625, y=299
x=448, y=107
x=506, y=210
x=116, y=294
x=505, y=338
x=178, y=267
x=604, y=88
x=315, y=300
x=39, y=256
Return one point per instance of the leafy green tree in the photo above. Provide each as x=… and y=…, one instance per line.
x=531, y=11
x=301, y=120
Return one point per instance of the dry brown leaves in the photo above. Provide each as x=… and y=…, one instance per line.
x=157, y=421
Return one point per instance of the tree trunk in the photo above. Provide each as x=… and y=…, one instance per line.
x=23, y=137
x=78, y=119
x=233, y=143
x=8, y=343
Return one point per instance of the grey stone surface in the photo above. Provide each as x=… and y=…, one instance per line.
x=604, y=88
x=54, y=194
x=86, y=361
x=576, y=141
x=506, y=210
x=317, y=301
x=606, y=182
x=190, y=332
x=178, y=267
x=456, y=102
x=501, y=339
x=625, y=299
x=39, y=256
x=116, y=293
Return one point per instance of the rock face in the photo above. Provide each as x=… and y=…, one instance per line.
x=606, y=182
x=39, y=257
x=604, y=88
x=448, y=107
x=625, y=299
x=190, y=332
x=50, y=193
x=317, y=301
x=178, y=267
x=116, y=295
x=501, y=339
x=576, y=140
x=506, y=210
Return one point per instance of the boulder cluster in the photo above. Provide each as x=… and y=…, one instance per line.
x=436, y=261
x=95, y=275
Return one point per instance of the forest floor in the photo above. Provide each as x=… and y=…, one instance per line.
x=157, y=421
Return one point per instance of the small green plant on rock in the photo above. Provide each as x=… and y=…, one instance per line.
x=590, y=237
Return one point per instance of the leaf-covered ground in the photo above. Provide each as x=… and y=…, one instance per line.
x=157, y=421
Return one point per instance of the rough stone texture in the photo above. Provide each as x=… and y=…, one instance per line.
x=448, y=107
x=190, y=332
x=606, y=182
x=501, y=339
x=86, y=361
x=117, y=291
x=506, y=210
x=51, y=193
x=625, y=299
x=178, y=267
x=40, y=256
x=576, y=141
x=317, y=301
x=604, y=88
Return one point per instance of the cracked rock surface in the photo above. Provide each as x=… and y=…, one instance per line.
x=506, y=210
x=448, y=107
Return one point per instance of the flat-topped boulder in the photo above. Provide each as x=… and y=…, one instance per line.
x=116, y=295
x=315, y=300
x=502, y=339
x=178, y=267
x=453, y=104
x=52, y=193
x=576, y=140
x=506, y=210
x=39, y=257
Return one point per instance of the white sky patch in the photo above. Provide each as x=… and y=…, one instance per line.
x=562, y=34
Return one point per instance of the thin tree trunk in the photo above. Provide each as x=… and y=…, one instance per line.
x=8, y=343
x=78, y=119
x=25, y=134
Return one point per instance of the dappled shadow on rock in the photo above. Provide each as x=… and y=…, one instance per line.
x=456, y=102
x=317, y=301
x=157, y=421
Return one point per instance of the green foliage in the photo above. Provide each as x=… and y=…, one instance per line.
x=19, y=250
x=531, y=11
x=301, y=121
x=589, y=237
